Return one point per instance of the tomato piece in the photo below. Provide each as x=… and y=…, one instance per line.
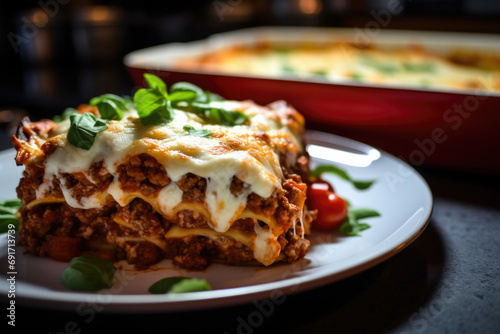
x=332, y=209
x=61, y=248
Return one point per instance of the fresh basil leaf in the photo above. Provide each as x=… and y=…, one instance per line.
x=321, y=73
x=152, y=107
x=164, y=285
x=8, y=210
x=352, y=226
x=288, y=69
x=179, y=284
x=120, y=102
x=110, y=106
x=88, y=273
x=65, y=115
x=212, y=97
x=213, y=113
x=83, y=130
x=10, y=206
x=418, y=67
x=190, y=285
x=181, y=97
x=109, y=110
x=182, y=86
x=5, y=222
x=353, y=230
x=360, y=185
x=197, y=132
x=156, y=83
x=362, y=213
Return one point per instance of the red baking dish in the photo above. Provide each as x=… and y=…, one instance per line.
x=455, y=129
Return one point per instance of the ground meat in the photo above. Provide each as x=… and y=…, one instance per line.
x=30, y=182
x=143, y=217
x=193, y=186
x=143, y=254
x=144, y=174
x=191, y=219
x=236, y=186
x=265, y=206
x=296, y=248
x=79, y=185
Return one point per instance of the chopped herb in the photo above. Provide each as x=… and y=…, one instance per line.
x=356, y=76
x=358, y=184
x=83, y=130
x=65, y=115
x=212, y=112
x=178, y=284
x=88, y=273
x=197, y=132
x=8, y=218
x=352, y=226
x=418, y=67
x=321, y=73
x=288, y=69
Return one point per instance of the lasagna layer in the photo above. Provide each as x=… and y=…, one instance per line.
x=144, y=193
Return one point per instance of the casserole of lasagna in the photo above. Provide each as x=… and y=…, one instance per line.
x=409, y=66
x=148, y=192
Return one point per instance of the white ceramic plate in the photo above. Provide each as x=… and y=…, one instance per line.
x=400, y=194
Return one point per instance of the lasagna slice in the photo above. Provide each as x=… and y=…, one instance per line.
x=187, y=189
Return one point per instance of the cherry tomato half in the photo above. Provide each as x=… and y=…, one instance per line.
x=332, y=209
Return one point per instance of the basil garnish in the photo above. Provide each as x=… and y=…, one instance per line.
x=360, y=185
x=152, y=107
x=179, y=284
x=156, y=106
x=88, y=273
x=8, y=209
x=83, y=130
x=197, y=132
x=152, y=104
x=352, y=226
x=110, y=106
x=65, y=115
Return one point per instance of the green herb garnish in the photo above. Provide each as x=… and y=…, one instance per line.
x=88, y=273
x=197, y=132
x=152, y=104
x=418, y=67
x=320, y=73
x=65, y=115
x=205, y=104
x=178, y=284
x=352, y=226
x=110, y=106
x=358, y=184
x=152, y=107
x=214, y=113
x=83, y=130
x=8, y=210
x=156, y=106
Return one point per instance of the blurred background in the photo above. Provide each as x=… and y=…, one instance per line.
x=60, y=53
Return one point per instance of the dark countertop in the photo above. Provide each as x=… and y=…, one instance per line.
x=445, y=282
